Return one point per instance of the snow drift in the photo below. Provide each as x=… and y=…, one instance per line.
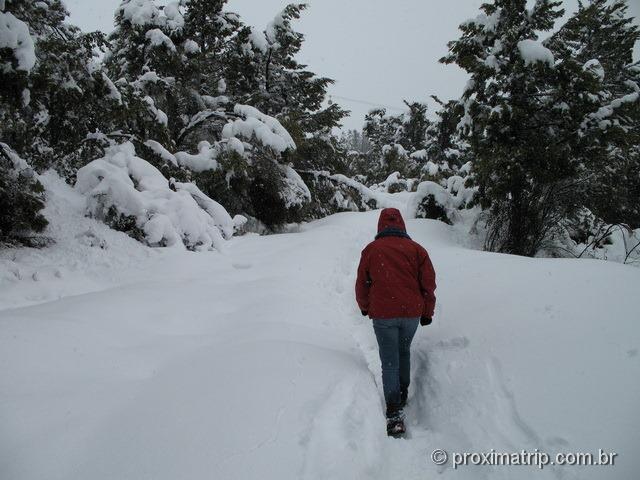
x=122, y=187
x=256, y=364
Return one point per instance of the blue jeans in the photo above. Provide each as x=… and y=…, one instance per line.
x=394, y=341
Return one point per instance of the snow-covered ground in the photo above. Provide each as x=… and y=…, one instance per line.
x=127, y=362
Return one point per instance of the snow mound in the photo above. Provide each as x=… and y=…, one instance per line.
x=148, y=380
x=122, y=185
x=84, y=255
x=432, y=200
x=255, y=124
x=14, y=35
x=533, y=51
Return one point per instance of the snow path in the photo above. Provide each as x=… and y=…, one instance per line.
x=256, y=363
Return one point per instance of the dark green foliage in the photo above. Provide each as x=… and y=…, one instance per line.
x=414, y=128
x=597, y=71
x=392, y=139
x=444, y=146
x=381, y=129
x=523, y=184
x=123, y=223
x=231, y=184
x=21, y=200
x=430, y=208
x=64, y=98
x=268, y=205
x=332, y=195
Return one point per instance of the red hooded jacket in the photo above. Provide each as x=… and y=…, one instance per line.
x=395, y=277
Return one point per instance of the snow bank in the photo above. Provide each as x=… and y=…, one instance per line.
x=167, y=214
x=85, y=256
x=15, y=36
x=533, y=51
x=266, y=369
x=438, y=199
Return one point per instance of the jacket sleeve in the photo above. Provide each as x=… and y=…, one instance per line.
x=427, y=277
x=363, y=283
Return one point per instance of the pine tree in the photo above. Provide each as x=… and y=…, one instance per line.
x=599, y=89
x=261, y=69
x=145, y=56
x=65, y=94
x=444, y=148
x=21, y=195
x=414, y=127
x=393, y=138
x=267, y=75
x=508, y=103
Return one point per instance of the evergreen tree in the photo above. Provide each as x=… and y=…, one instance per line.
x=414, y=127
x=524, y=166
x=21, y=195
x=599, y=85
x=393, y=138
x=146, y=56
x=354, y=140
x=65, y=97
x=21, y=199
x=444, y=148
x=279, y=85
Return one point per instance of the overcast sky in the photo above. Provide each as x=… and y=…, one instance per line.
x=378, y=51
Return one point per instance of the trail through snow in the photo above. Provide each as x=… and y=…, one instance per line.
x=256, y=363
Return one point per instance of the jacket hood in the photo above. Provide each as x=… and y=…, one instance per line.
x=392, y=219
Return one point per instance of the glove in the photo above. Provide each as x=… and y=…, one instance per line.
x=364, y=313
x=424, y=321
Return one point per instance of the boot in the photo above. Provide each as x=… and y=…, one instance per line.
x=395, y=421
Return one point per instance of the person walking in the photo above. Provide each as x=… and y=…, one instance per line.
x=395, y=287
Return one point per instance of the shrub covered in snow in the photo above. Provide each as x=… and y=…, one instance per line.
x=337, y=193
x=132, y=195
x=584, y=235
x=21, y=199
x=434, y=201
